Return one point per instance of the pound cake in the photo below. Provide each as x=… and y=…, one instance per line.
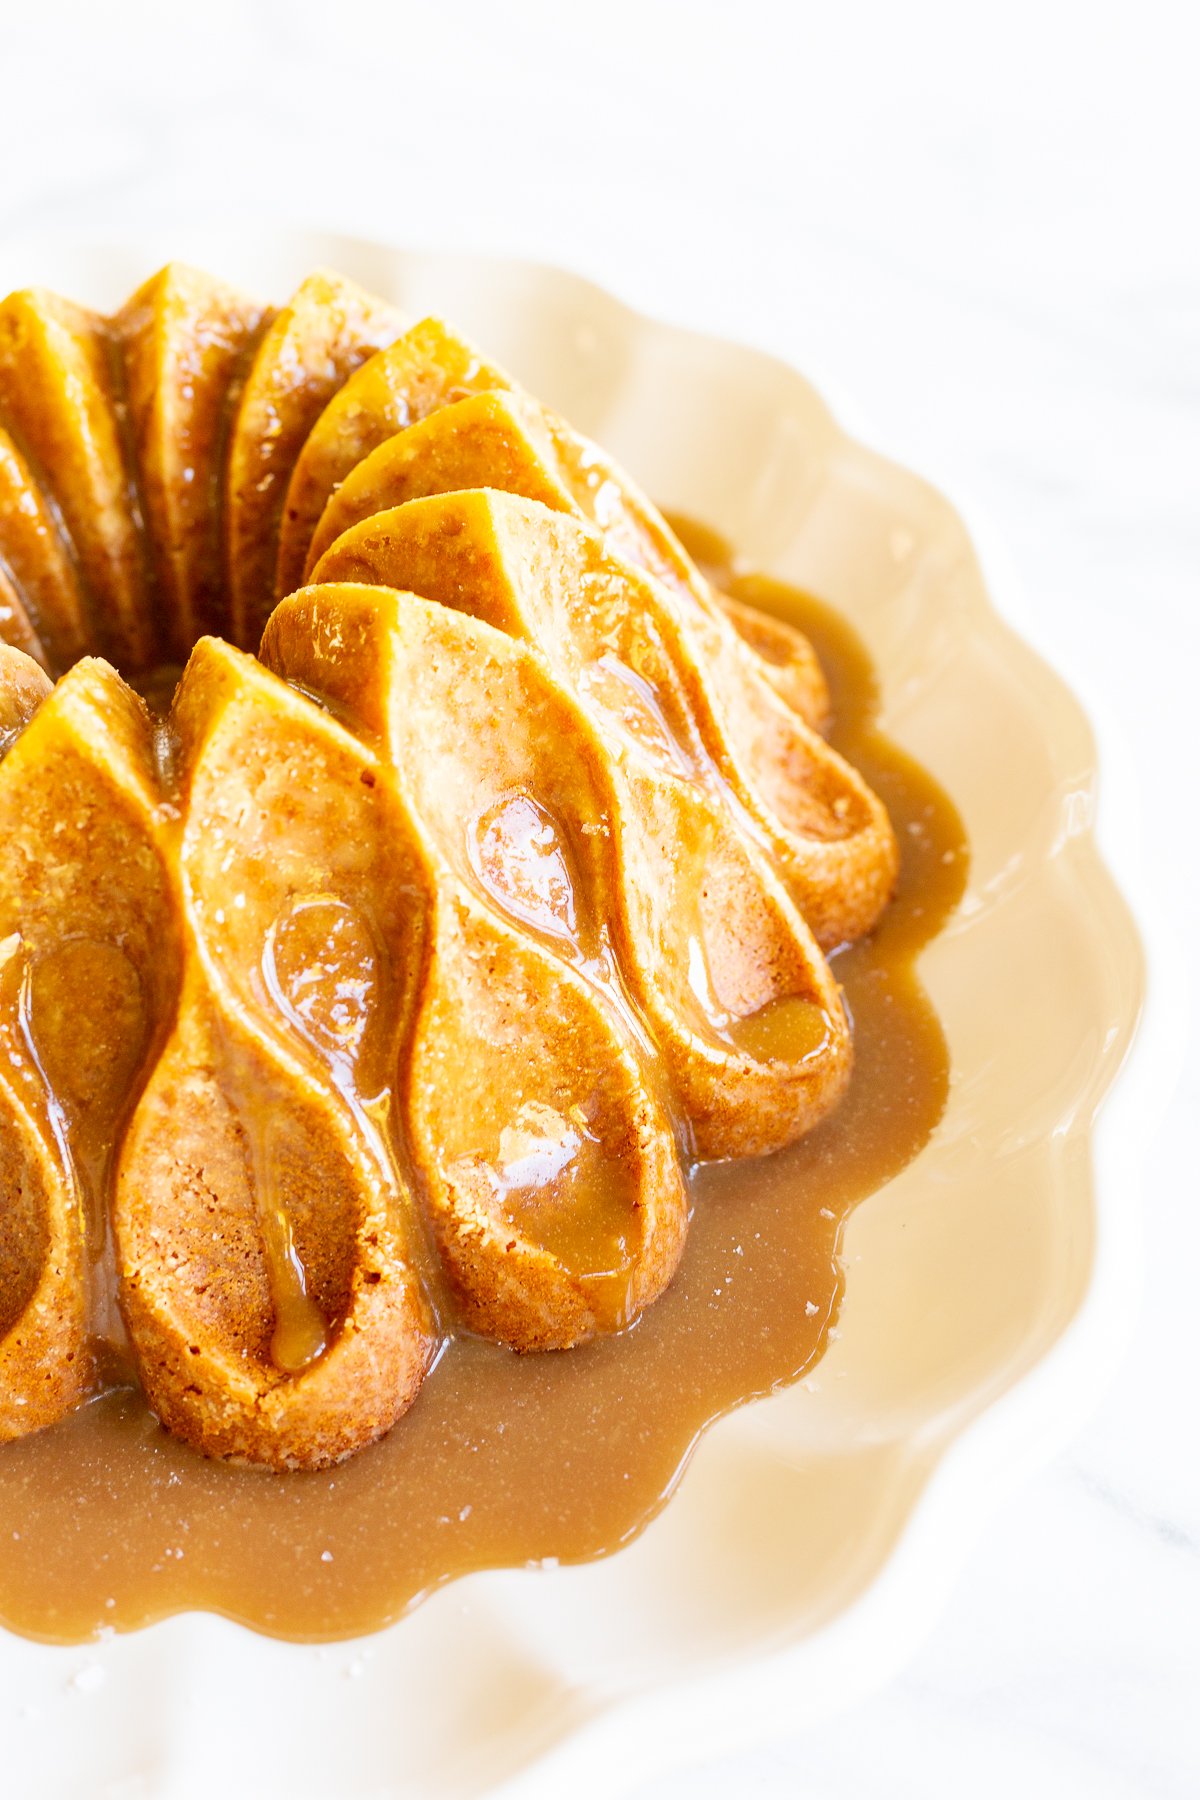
x=411, y=868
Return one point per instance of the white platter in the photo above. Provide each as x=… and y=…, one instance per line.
x=813, y=1533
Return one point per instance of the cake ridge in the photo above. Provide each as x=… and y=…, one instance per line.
x=272, y=1087
x=38, y=561
x=430, y=371
x=635, y=808
x=308, y=352
x=459, y=909
x=459, y=546
x=56, y=392
x=184, y=341
x=92, y=958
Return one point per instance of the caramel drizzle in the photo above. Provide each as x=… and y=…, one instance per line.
x=372, y=1114
x=301, y=1333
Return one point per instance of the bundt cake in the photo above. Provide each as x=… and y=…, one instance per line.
x=388, y=982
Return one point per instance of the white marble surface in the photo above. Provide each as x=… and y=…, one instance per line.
x=981, y=222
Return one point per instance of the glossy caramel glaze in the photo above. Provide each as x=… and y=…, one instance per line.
x=109, y=1522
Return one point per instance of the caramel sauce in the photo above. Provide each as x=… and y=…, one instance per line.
x=300, y=1333
x=635, y=709
x=520, y=859
x=109, y=1522
x=785, y=1030
x=319, y=968
x=555, y=1185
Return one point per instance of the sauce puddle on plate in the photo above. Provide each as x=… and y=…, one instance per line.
x=109, y=1522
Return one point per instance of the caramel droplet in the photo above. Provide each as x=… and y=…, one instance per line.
x=785, y=1030
x=521, y=857
x=300, y=1332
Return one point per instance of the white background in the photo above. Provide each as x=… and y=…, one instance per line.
x=983, y=223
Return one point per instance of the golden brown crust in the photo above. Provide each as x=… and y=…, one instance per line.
x=461, y=422
x=23, y=686
x=636, y=531
x=44, y=1362
x=309, y=352
x=184, y=339
x=37, y=560
x=84, y=947
x=16, y=628
x=58, y=399
x=429, y=367
x=787, y=659
x=492, y=439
